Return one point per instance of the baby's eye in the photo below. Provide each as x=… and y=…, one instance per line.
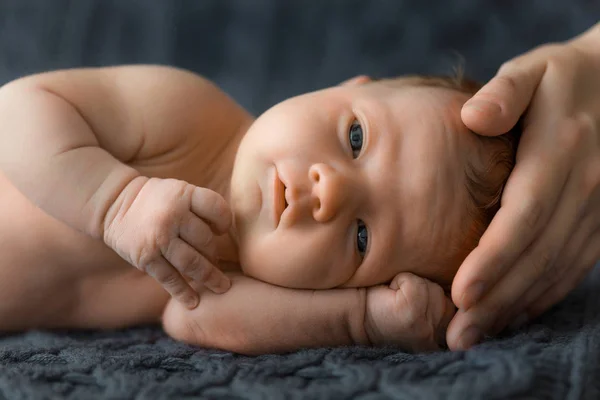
x=355, y=135
x=362, y=237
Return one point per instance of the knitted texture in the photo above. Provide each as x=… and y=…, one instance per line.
x=555, y=357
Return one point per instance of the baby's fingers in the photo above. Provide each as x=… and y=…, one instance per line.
x=195, y=267
x=211, y=207
x=199, y=235
x=170, y=279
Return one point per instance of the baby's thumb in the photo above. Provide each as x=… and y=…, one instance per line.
x=496, y=108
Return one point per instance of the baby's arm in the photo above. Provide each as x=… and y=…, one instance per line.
x=69, y=141
x=66, y=137
x=254, y=317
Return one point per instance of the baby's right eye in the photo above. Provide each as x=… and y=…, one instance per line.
x=355, y=136
x=362, y=238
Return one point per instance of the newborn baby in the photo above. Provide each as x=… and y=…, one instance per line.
x=371, y=191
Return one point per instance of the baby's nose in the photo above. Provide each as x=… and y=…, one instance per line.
x=329, y=191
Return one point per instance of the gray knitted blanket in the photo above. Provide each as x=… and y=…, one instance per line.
x=262, y=51
x=555, y=357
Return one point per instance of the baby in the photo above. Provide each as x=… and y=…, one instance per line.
x=372, y=191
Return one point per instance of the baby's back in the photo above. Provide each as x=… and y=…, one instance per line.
x=52, y=276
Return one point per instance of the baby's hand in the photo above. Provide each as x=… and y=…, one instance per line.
x=166, y=228
x=412, y=313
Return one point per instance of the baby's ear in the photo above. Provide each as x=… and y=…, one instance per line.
x=357, y=80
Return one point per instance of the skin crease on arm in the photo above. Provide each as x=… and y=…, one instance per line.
x=99, y=120
x=84, y=145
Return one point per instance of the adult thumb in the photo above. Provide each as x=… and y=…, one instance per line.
x=498, y=105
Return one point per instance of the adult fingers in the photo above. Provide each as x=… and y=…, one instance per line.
x=515, y=316
x=194, y=266
x=589, y=257
x=529, y=198
x=585, y=183
x=498, y=105
x=172, y=281
x=211, y=207
x=536, y=263
x=566, y=264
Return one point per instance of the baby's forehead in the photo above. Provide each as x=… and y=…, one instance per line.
x=429, y=89
x=425, y=100
x=456, y=84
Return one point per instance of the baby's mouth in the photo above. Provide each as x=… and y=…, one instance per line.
x=279, y=200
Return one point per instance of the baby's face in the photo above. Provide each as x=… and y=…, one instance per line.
x=351, y=185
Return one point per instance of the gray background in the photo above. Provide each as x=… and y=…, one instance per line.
x=262, y=52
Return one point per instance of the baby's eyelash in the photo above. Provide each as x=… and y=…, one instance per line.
x=356, y=138
x=362, y=238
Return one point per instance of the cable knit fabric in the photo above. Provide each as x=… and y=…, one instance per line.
x=555, y=357
x=261, y=52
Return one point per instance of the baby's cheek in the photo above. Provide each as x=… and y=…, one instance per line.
x=293, y=268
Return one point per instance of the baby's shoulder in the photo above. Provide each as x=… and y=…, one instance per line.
x=140, y=111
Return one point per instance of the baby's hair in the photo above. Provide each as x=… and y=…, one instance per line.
x=484, y=183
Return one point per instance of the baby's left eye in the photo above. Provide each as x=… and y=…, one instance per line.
x=362, y=237
x=355, y=136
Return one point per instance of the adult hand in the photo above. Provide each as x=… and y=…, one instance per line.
x=166, y=228
x=546, y=236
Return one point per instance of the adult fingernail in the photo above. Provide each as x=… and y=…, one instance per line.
x=191, y=302
x=470, y=336
x=483, y=106
x=472, y=295
x=519, y=321
x=224, y=286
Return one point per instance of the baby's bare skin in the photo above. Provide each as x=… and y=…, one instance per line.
x=52, y=276
x=57, y=271
x=62, y=276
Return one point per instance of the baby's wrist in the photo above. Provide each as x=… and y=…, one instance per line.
x=121, y=202
x=372, y=331
x=357, y=318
